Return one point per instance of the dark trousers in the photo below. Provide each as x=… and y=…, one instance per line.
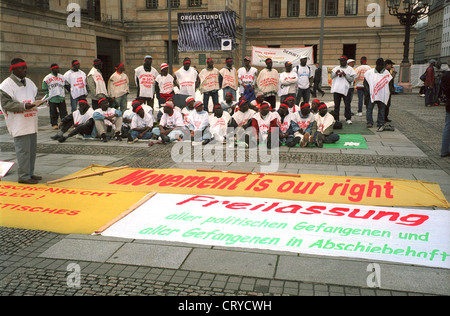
x=272, y=101
x=57, y=110
x=215, y=97
x=337, y=105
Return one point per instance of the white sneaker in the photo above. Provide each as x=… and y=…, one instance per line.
x=349, y=122
x=359, y=114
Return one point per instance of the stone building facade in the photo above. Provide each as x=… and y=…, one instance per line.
x=125, y=31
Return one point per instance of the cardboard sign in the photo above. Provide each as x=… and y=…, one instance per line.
x=412, y=236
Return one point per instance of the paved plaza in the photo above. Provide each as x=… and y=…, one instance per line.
x=36, y=262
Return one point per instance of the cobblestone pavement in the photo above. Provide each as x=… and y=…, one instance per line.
x=24, y=272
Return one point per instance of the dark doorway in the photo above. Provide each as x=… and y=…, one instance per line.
x=349, y=50
x=108, y=50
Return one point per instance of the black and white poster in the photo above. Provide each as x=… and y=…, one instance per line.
x=204, y=31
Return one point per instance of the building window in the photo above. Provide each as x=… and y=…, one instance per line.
x=274, y=8
x=293, y=9
x=173, y=3
x=349, y=50
x=312, y=7
x=151, y=4
x=351, y=7
x=42, y=4
x=194, y=3
x=331, y=7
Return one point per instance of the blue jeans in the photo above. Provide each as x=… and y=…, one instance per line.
x=360, y=99
x=74, y=102
x=135, y=134
x=380, y=117
x=445, y=149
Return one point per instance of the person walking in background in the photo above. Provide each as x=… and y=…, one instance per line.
x=317, y=81
x=429, y=83
x=54, y=87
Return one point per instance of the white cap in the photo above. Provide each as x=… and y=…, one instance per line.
x=350, y=61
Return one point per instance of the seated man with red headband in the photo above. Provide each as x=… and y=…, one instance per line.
x=303, y=122
x=199, y=124
x=81, y=121
x=141, y=124
x=171, y=127
x=322, y=130
x=264, y=123
x=108, y=121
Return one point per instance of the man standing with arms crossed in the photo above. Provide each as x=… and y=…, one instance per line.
x=18, y=95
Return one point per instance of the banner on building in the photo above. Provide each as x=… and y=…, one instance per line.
x=411, y=236
x=280, y=56
x=204, y=31
x=305, y=187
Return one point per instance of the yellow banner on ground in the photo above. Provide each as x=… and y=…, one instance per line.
x=61, y=210
x=331, y=189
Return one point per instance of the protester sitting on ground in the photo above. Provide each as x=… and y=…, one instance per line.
x=302, y=126
x=161, y=109
x=171, y=127
x=199, y=124
x=187, y=110
x=285, y=124
x=256, y=104
x=228, y=104
x=108, y=121
x=218, y=122
x=127, y=116
x=263, y=123
x=315, y=106
x=141, y=125
x=322, y=129
x=241, y=121
x=292, y=107
x=80, y=120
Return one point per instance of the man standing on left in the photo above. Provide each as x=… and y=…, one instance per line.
x=18, y=95
x=53, y=84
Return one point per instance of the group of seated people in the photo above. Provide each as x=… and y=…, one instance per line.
x=235, y=123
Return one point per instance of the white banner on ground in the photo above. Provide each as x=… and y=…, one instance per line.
x=411, y=236
x=281, y=55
